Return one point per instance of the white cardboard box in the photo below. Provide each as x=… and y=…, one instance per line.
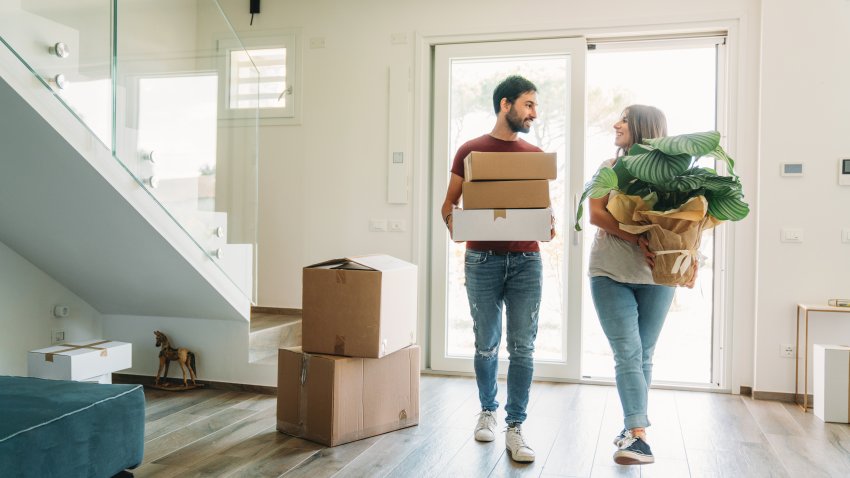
x=501, y=224
x=86, y=361
x=831, y=382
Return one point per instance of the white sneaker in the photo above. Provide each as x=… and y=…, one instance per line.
x=516, y=445
x=485, y=430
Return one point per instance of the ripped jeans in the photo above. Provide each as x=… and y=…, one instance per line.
x=512, y=281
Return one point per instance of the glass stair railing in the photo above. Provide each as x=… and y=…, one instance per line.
x=147, y=79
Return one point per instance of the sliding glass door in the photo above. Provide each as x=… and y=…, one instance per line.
x=582, y=91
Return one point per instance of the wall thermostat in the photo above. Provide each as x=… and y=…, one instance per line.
x=844, y=172
x=791, y=169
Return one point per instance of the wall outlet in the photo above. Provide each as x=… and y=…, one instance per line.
x=786, y=350
x=396, y=226
x=57, y=336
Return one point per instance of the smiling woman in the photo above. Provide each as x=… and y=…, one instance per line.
x=683, y=83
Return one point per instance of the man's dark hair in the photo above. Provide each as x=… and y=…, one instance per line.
x=511, y=88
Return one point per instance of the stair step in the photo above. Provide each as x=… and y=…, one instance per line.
x=269, y=332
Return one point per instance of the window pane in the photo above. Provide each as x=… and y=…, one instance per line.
x=682, y=83
x=254, y=72
x=471, y=115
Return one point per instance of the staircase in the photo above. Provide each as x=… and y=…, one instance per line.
x=272, y=330
x=78, y=198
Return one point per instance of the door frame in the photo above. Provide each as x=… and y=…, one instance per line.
x=735, y=26
x=576, y=49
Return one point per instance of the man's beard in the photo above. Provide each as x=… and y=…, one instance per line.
x=516, y=123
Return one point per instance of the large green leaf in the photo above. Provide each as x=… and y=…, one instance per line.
x=639, y=148
x=624, y=177
x=721, y=184
x=685, y=183
x=655, y=167
x=721, y=155
x=692, y=144
x=636, y=188
x=727, y=208
x=599, y=186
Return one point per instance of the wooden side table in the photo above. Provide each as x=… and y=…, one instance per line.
x=805, y=309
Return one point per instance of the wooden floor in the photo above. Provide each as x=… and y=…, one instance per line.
x=221, y=433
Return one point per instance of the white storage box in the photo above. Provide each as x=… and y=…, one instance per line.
x=85, y=361
x=831, y=382
x=501, y=224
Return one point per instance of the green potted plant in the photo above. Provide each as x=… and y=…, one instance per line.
x=660, y=190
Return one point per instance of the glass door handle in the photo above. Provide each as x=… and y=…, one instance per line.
x=575, y=233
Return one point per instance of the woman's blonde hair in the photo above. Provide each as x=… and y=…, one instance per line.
x=644, y=122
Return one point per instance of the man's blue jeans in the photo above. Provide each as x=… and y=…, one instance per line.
x=631, y=316
x=512, y=281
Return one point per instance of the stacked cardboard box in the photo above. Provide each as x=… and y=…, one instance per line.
x=505, y=197
x=357, y=372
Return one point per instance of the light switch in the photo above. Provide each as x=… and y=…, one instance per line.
x=845, y=235
x=378, y=225
x=792, y=235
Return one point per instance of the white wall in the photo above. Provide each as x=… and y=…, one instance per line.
x=220, y=347
x=321, y=181
x=804, y=118
x=27, y=297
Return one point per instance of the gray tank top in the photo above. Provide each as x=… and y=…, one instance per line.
x=617, y=259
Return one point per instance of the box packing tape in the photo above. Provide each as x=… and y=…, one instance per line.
x=104, y=352
x=302, y=399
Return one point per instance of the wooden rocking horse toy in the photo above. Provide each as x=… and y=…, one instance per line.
x=167, y=353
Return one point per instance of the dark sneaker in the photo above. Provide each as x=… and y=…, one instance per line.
x=633, y=451
x=619, y=438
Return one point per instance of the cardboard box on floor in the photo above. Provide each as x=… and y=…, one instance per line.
x=831, y=391
x=482, y=166
x=506, y=194
x=501, y=224
x=359, y=306
x=333, y=400
x=82, y=361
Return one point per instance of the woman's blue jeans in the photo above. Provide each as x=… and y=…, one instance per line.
x=631, y=316
x=512, y=281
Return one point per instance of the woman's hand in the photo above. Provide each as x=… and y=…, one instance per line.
x=647, y=254
x=690, y=283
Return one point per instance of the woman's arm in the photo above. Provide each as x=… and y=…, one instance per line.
x=601, y=218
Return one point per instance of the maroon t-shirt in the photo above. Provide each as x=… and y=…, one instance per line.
x=489, y=144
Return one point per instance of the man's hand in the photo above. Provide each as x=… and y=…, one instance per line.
x=451, y=231
x=647, y=254
x=552, y=230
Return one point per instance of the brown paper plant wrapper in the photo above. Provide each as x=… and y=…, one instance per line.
x=674, y=236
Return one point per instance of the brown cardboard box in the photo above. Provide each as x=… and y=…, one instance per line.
x=506, y=194
x=333, y=400
x=360, y=306
x=480, y=166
